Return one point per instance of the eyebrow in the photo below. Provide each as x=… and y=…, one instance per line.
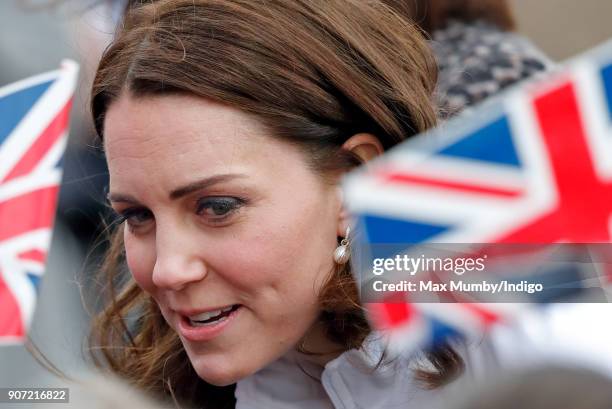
x=183, y=190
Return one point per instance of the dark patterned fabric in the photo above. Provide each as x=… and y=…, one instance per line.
x=477, y=60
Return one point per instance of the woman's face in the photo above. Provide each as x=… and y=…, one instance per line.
x=227, y=228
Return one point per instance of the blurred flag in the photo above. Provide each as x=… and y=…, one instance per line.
x=34, y=117
x=532, y=166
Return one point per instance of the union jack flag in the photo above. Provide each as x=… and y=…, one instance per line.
x=532, y=166
x=34, y=117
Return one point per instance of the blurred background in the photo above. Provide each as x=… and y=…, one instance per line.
x=36, y=35
x=562, y=28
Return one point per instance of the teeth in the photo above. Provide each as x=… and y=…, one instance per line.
x=207, y=324
x=208, y=315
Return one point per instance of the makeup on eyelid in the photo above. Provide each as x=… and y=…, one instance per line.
x=222, y=207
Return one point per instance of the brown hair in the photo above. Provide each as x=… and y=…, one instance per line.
x=315, y=73
x=433, y=15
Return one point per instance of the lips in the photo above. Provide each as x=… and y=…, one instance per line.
x=204, y=326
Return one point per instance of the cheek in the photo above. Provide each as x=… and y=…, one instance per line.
x=287, y=254
x=140, y=257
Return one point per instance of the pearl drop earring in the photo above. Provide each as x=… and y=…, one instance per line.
x=343, y=251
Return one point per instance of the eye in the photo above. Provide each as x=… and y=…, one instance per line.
x=135, y=217
x=218, y=208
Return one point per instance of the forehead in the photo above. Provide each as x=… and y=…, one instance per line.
x=172, y=139
x=170, y=125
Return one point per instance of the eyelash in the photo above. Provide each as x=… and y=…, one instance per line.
x=227, y=203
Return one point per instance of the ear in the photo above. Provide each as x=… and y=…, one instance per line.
x=366, y=146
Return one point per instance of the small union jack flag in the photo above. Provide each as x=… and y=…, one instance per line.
x=34, y=117
x=532, y=166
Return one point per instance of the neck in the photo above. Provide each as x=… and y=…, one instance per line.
x=317, y=348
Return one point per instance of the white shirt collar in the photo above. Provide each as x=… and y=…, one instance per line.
x=351, y=381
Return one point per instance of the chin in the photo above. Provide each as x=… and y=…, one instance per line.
x=222, y=374
x=220, y=381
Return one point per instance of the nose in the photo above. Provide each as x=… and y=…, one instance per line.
x=178, y=261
